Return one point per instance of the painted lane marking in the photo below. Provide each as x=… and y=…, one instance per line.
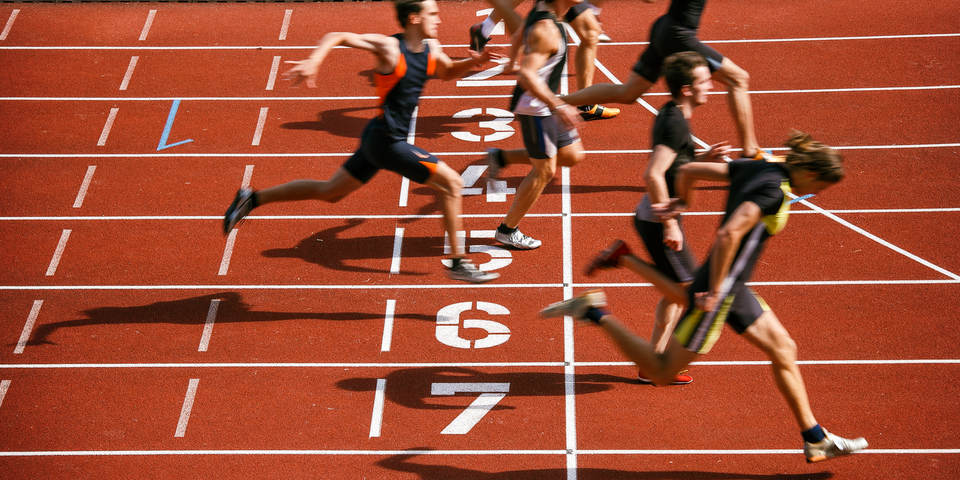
x=287, y=14
x=387, y=340
x=58, y=254
x=274, y=68
x=169, y=126
x=28, y=326
x=247, y=176
x=9, y=25
x=187, y=408
x=208, y=325
x=411, y=138
x=376, y=418
x=397, y=244
x=147, y=24
x=84, y=186
x=129, y=73
x=261, y=122
x=4, y=386
x=227, y=252
x=107, y=126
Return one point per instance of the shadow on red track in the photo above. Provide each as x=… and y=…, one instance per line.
x=417, y=382
x=328, y=249
x=401, y=463
x=192, y=311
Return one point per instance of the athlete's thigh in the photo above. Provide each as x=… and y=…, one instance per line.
x=401, y=157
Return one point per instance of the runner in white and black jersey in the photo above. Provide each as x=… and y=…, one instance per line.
x=548, y=125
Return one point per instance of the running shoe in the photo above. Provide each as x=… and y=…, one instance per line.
x=609, y=258
x=241, y=206
x=468, y=272
x=477, y=40
x=604, y=38
x=680, y=379
x=517, y=240
x=597, y=112
x=832, y=446
x=493, y=163
x=576, y=306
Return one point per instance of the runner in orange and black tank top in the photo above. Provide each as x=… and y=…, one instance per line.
x=399, y=91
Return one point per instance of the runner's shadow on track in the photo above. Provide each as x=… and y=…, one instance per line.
x=416, y=384
x=349, y=122
x=402, y=463
x=328, y=249
x=193, y=311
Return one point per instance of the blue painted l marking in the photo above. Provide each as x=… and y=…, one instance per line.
x=166, y=129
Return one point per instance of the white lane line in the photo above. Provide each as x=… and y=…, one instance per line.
x=147, y=24
x=28, y=326
x=9, y=25
x=261, y=121
x=438, y=154
x=387, y=340
x=376, y=419
x=411, y=138
x=287, y=14
x=187, y=407
x=818, y=283
x=208, y=325
x=107, y=126
x=4, y=386
x=880, y=240
x=227, y=252
x=384, y=453
x=311, y=47
x=274, y=68
x=58, y=253
x=467, y=97
x=397, y=245
x=63, y=366
x=424, y=216
x=247, y=176
x=129, y=73
x=84, y=186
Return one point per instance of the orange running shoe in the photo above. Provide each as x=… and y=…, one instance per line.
x=681, y=379
x=597, y=112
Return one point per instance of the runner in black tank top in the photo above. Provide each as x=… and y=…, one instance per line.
x=676, y=31
x=757, y=207
x=404, y=62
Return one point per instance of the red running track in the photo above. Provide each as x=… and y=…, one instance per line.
x=138, y=343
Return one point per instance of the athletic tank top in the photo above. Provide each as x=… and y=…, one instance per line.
x=399, y=91
x=523, y=102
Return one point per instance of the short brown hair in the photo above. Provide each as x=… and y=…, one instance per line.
x=405, y=8
x=813, y=156
x=678, y=70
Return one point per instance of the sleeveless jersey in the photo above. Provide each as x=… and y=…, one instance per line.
x=399, y=91
x=523, y=102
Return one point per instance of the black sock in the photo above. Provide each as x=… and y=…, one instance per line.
x=456, y=262
x=594, y=314
x=503, y=228
x=502, y=162
x=813, y=435
x=254, y=200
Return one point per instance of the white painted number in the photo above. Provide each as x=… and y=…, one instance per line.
x=490, y=395
x=499, y=257
x=449, y=325
x=497, y=190
x=500, y=125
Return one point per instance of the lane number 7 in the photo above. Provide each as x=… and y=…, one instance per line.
x=490, y=394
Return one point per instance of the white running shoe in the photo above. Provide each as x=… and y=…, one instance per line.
x=832, y=446
x=468, y=272
x=576, y=306
x=517, y=240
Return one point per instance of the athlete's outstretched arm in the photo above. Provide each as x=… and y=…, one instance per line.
x=687, y=176
x=386, y=49
x=725, y=247
x=449, y=69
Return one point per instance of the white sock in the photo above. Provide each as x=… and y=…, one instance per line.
x=486, y=27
